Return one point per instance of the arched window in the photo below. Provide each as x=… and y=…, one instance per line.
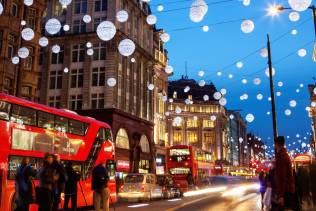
x=122, y=139
x=144, y=144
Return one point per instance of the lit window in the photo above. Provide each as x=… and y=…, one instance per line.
x=174, y=94
x=144, y=144
x=190, y=97
x=122, y=140
x=208, y=123
x=177, y=137
x=208, y=137
x=192, y=123
x=192, y=137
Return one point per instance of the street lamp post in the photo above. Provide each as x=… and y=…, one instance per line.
x=274, y=119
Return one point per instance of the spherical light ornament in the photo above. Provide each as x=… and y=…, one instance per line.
x=247, y=26
x=198, y=10
x=86, y=18
x=299, y=5
x=294, y=16
x=178, y=110
x=302, y=52
x=223, y=91
x=223, y=101
x=217, y=95
x=177, y=120
x=126, y=47
x=201, y=83
x=150, y=87
x=90, y=52
x=280, y=83
x=259, y=96
x=23, y=52
x=106, y=30
x=66, y=70
x=164, y=98
x=301, y=85
x=245, y=96
x=23, y=22
x=287, y=112
x=27, y=34
x=89, y=45
x=267, y=72
x=293, y=103
x=206, y=97
x=186, y=89
x=250, y=118
x=268, y=112
x=53, y=26
x=28, y=2
x=297, y=90
x=160, y=8
x=269, y=98
x=15, y=60
x=308, y=108
x=294, y=32
x=151, y=19
x=56, y=48
x=165, y=37
x=278, y=94
x=205, y=28
x=313, y=104
x=133, y=60
x=122, y=16
x=43, y=41
x=1, y=8
x=213, y=118
x=169, y=69
x=111, y=82
x=66, y=27
x=303, y=145
x=240, y=140
x=201, y=73
x=230, y=76
x=244, y=81
x=239, y=65
x=264, y=53
x=65, y=3
x=231, y=116
x=187, y=101
x=257, y=81
x=246, y=3
x=170, y=100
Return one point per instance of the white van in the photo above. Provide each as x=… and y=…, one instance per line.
x=139, y=186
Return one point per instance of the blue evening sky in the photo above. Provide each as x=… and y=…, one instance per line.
x=225, y=44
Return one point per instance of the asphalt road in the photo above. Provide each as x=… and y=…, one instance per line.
x=249, y=201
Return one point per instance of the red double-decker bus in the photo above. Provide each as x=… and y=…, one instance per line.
x=180, y=161
x=31, y=129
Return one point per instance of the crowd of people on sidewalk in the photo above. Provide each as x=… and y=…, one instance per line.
x=282, y=188
x=57, y=181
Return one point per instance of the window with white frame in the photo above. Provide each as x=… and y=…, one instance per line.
x=98, y=76
x=97, y=101
x=54, y=101
x=80, y=6
x=78, y=53
x=100, y=5
x=97, y=21
x=58, y=58
x=26, y=90
x=75, y=102
x=79, y=27
x=76, y=78
x=31, y=18
x=56, y=79
x=28, y=62
x=99, y=50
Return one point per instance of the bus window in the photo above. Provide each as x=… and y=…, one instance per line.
x=61, y=124
x=45, y=120
x=23, y=115
x=76, y=127
x=14, y=163
x=105, y=134
x=4, y=110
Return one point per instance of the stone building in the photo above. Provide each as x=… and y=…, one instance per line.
x=197, y=122
x=20, y=79
x=129, y=106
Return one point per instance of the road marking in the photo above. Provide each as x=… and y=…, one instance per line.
x=187, y=203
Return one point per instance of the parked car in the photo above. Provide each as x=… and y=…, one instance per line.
x=168, y=187
x=139, y=187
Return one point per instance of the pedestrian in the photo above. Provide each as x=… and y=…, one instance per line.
x=100, y=179
x=285, y=183
x=47, y=178
x=190, y=180
x=71, y=186
x=24, y=185
x=263, y=186
x=59, y=185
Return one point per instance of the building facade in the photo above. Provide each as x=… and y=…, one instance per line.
x=193, y=121
x=129, y=105
x=20, y=79
x=312, y=115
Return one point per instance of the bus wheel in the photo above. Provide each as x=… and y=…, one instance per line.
x=13, y=202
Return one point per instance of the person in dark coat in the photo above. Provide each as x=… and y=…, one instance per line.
x=71, y=187
x=263, y=185
x=100, y=179
x=47, y=178
x=285, y=183
x=59, y=187
x=24, y=185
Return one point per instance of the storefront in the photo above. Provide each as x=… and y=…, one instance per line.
x=160, y=164
x=122, y=168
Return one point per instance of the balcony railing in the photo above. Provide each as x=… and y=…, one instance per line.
x=160, y=56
